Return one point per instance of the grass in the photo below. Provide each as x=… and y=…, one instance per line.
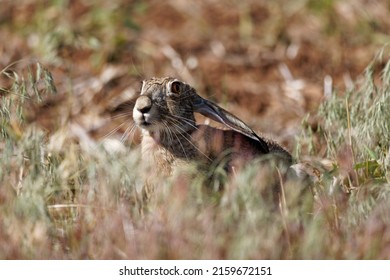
x=62, y=199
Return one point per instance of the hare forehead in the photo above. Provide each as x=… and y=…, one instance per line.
x=156, y=84
x=155, y=88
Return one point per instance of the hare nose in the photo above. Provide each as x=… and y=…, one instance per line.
x=143, y=104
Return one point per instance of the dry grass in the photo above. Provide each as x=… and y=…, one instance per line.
x=70, y=189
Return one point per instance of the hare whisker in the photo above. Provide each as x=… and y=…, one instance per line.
x=185, y=120
x=109, y=119
x=122, y=115
x=178, y=139
x=127, y=132
x=132, y=131
x=169, y=131
x=109, y=134
x=189, y=140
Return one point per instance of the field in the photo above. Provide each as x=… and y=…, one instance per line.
x=312, y=74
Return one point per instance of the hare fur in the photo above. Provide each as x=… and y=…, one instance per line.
x=165, y=113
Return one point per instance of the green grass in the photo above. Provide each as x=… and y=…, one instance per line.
x=63, y=199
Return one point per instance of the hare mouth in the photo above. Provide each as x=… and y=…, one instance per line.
x=144, y=124
x=149, y=126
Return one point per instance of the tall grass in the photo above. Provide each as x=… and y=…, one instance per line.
x=66, y=199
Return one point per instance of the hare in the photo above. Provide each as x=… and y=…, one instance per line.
x=165, y=113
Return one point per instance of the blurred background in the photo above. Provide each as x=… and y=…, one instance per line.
x=269, y=62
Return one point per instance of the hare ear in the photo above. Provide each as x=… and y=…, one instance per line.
x=216, y=113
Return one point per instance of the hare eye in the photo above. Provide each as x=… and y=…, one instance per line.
x=175, y=87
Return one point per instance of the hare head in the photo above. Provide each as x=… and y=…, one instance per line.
x=165, y=105
x=165, y=113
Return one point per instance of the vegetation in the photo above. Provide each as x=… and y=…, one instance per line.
x=70, y=184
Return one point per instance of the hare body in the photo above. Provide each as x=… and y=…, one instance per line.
x=165, y=113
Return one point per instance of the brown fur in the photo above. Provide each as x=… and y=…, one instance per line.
x=165, y=113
